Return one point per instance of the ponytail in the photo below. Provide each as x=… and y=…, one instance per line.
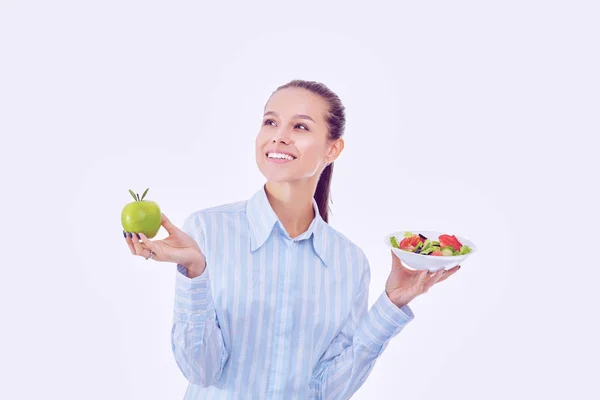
x=323, y=190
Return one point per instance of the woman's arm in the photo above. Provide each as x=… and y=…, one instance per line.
x=350, y=357
x=196, y=338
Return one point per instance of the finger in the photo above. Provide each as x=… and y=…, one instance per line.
x=431, y=274
x=145, y=252
x=129, y=243
x=397, y=264
x=168, y=225
x=148, y=245
x=449, y=273
x=433, y=279
x=139, y=250
x=421, y=280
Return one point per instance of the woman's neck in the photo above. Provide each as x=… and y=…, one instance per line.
x=292, y=202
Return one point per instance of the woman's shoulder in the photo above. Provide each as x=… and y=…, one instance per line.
x=199, y=219
x=198, y=223
x=335, y=236
x=234, y=207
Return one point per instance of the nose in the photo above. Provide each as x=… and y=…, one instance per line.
x=281, y=136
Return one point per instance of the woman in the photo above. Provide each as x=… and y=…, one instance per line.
x=271, y=301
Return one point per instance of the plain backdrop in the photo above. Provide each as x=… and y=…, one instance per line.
x=476, y=118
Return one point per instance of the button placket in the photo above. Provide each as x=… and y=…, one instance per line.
x=290, y=269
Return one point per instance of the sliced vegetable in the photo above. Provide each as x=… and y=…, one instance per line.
x=464, y=250
x=405, y=244
x=447, y=245
x=447, y=251
x=418, y=247
x=450, y=240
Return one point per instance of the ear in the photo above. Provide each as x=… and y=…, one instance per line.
x=335, y=150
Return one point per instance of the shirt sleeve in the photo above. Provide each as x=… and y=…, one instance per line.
x=196, y=338
x=350, y=357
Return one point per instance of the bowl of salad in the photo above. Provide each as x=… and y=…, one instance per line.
x=429, y=250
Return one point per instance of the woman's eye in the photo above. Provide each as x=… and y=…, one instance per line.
x=271, y=122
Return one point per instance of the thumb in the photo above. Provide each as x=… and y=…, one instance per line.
x=421, y=280
x=396, y=263
x=171, y=229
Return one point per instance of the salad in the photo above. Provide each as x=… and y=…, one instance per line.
x=446, y=245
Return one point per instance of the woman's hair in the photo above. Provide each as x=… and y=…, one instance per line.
x=336, y=123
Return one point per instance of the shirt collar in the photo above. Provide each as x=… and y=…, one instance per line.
x=262, y=219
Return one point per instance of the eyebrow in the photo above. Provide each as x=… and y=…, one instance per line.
x=303, y=116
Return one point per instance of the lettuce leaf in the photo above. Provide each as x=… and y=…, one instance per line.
x=464, y=250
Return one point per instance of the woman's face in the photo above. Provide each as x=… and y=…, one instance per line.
x=293, y=143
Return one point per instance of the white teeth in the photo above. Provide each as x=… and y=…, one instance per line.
x=279, y=155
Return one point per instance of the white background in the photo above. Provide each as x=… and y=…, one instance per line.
x=476, y=118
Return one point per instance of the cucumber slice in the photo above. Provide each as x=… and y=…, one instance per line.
x=447, y=251
x=426, y=245
x=394, y=242
x=430, y=249
x=407, y=235
x=418, y=247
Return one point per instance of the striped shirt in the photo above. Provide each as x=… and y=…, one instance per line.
x=275, y=317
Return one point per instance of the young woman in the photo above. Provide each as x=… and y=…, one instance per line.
x=271, y=301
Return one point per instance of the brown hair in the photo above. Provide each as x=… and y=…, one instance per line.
x=336, y=123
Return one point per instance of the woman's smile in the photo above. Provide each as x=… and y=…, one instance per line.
x=279, y=158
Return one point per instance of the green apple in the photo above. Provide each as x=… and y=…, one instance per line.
x=141, y=216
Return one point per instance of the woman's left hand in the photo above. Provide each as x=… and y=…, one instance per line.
x=404, y=284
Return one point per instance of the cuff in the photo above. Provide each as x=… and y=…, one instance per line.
x=384, y=321
x=193, y=298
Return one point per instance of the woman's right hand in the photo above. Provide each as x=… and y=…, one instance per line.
x=177, y=248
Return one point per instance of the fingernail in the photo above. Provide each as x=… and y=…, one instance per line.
x=130, y=235
x=124, y=234
x=138, y=235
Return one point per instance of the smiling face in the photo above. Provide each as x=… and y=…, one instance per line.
x=293, y=142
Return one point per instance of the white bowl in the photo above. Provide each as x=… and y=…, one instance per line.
x=427, y=262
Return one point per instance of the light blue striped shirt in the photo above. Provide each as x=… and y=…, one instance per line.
x=275, y=317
